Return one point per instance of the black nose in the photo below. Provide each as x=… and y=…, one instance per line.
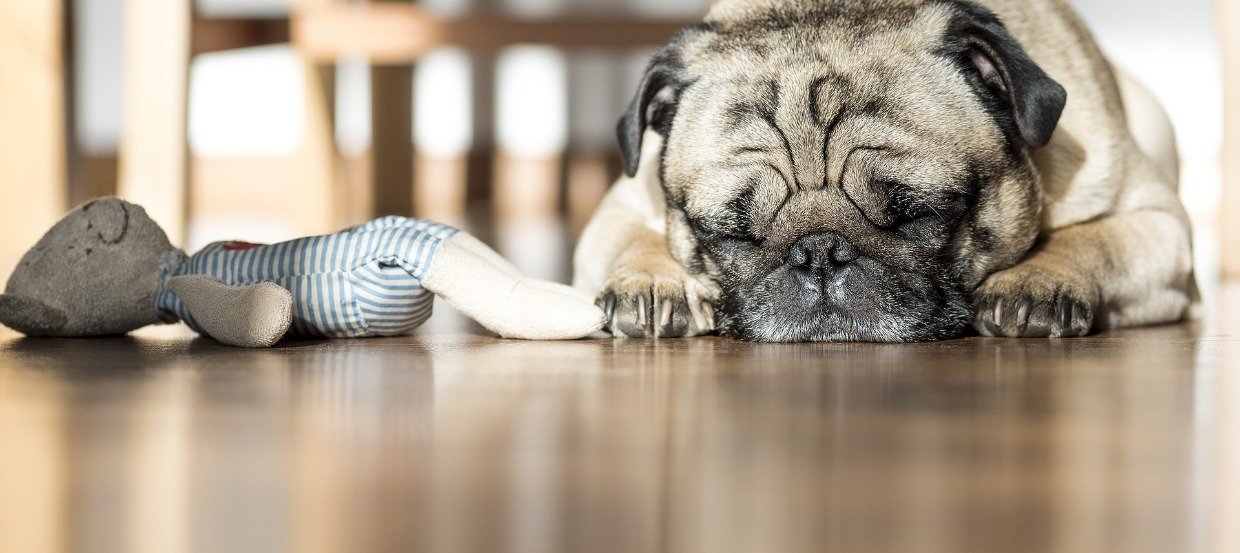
x=821, y=252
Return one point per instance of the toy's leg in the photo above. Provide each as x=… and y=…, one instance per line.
x=473, y=279
x=466, y=241
x=254, y=316
x=472, y=244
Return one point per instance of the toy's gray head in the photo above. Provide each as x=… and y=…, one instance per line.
x=96, y=272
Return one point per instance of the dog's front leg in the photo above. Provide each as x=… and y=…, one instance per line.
x=1127, y=269
x=623, y=259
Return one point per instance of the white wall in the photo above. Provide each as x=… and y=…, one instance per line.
x=1171, y=46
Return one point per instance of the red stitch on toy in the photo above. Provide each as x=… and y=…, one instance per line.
x=237, y=245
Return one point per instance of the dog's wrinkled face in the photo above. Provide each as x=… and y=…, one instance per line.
x=846, y=170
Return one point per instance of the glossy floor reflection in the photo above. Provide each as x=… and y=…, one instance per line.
x=1126, y=442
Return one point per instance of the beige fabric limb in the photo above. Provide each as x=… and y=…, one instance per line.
x=477, y=282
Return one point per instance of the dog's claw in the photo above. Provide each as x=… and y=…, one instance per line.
x=609, y=306
x=649, y=306
x=1034, y=303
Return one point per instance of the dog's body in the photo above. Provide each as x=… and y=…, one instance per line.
x=886, y=171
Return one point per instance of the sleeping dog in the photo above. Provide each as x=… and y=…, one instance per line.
x=892, y=171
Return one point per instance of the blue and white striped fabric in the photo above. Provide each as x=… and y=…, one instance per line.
x=365, y=281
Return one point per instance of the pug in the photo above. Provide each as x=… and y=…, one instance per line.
x=889, y=171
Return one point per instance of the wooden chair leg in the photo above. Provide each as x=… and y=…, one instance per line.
x=343, y=201
x=391, y=146
x=32, y=123
x=32, y=196
x=392, y=139
x=480, y=168
x=318, y=163
x=154, y=149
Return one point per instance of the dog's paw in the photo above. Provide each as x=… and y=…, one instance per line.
x=1035, y=302
x=658, y=305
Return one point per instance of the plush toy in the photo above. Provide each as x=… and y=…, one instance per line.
x=107, y=268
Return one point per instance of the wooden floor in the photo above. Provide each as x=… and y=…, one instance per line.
x=1125, y=442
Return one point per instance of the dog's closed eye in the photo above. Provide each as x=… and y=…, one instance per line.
x=709, y=234
x=914, y=214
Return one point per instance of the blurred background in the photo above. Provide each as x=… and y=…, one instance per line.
x=270, y=119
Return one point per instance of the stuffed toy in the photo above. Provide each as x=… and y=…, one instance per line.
x=107, y=269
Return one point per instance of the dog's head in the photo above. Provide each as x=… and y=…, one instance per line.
x=846, y=170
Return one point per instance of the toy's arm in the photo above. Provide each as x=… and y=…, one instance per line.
x=485, y=287
x=254, y=316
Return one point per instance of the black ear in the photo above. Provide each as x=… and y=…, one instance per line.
x=1037, y=100
x=654, y=105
